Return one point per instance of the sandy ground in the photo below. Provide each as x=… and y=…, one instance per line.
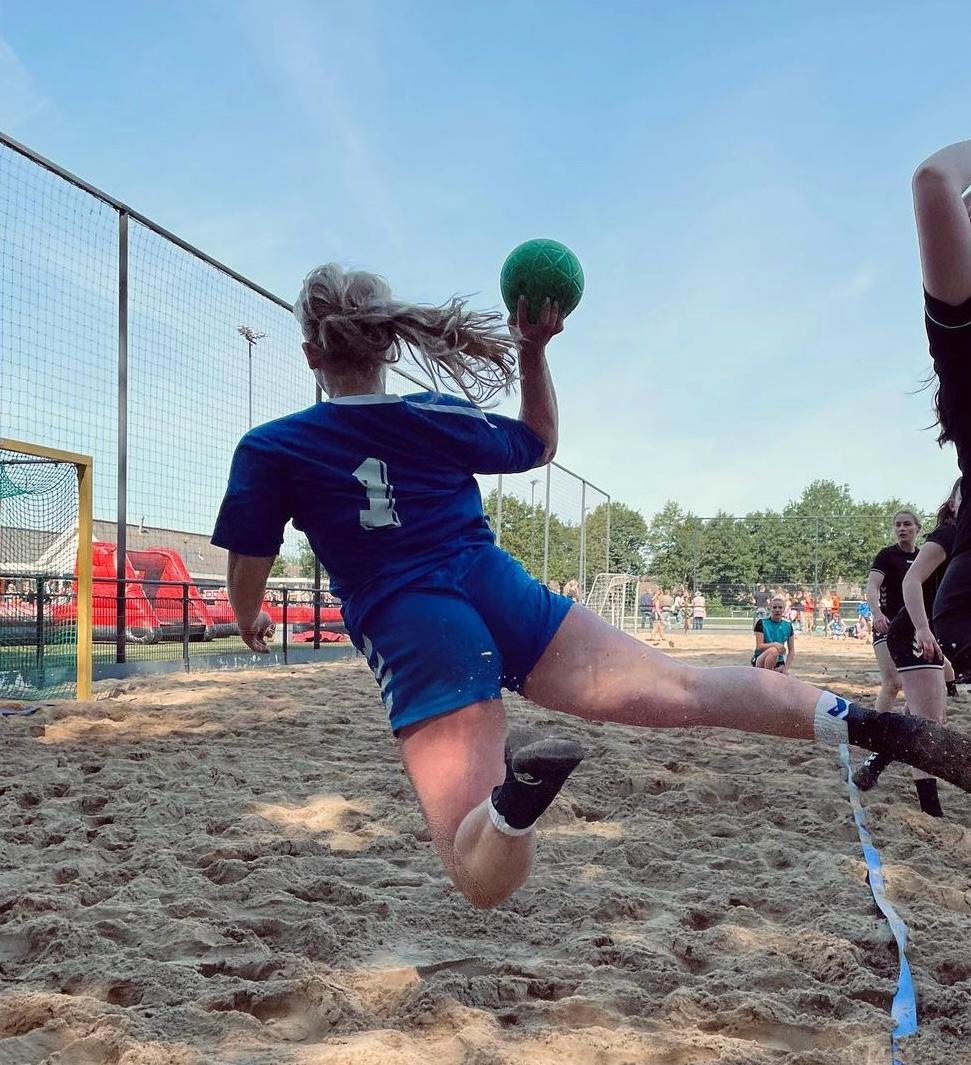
x=231, y=868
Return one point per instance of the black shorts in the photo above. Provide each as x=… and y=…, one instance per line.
x=902, y=645
x=881, y=638
x=952, y=614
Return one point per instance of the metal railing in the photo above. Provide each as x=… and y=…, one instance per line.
x=169, y=625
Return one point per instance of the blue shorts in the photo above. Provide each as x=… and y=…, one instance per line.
x=459, y=635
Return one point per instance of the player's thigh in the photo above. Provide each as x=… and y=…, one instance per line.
x=888, y=671
x=454, y=761
x=595, y=671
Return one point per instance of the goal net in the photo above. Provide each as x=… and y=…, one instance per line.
x=45, y=580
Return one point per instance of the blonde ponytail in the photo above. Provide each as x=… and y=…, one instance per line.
x=353, y=318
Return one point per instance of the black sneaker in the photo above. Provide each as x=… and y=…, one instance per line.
x=532, y=757
x=536, y=768
x=952, y=688
x=868, y=772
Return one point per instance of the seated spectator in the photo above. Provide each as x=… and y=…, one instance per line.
x=775, y=640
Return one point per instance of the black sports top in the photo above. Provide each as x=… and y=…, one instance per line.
x=893, y=564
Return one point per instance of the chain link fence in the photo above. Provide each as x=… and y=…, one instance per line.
x=120, y=340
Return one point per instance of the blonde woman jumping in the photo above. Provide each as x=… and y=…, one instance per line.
x=384, y=487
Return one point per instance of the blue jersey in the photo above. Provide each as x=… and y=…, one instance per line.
x=383, y=487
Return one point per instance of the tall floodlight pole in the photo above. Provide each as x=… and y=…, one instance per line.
x=251, y=336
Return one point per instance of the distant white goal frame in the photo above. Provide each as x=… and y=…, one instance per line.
x=84, y=466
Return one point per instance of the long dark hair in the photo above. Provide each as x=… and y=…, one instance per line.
x=945, y=410
x=945, y=512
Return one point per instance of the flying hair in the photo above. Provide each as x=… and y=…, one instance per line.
x=352, y=317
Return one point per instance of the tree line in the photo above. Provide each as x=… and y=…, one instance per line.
x=825, y=537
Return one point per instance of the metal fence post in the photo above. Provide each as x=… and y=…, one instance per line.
x=185, y=625
x=499, y=511
x=286, y=601
x=318, y=397
x=583, y=540
x=121, y=521
x=40, y=629
x=546, y=529
x=316, y=595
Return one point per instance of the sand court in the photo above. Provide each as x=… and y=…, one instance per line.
x=232, y=868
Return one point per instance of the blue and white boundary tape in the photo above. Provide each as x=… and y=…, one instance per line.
x=904, y=1008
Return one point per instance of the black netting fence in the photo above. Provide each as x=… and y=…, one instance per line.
x=120, y=341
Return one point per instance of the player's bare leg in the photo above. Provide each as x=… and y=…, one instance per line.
x=480, y=798
x=594, y=671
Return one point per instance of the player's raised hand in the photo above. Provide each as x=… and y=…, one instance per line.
x=537, y=334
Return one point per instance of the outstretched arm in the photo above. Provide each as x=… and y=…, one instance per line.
x=943, y=224
x=538, y=406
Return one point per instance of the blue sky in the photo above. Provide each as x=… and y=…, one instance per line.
x=734, y=177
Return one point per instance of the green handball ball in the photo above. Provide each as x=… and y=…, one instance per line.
x=541, y=269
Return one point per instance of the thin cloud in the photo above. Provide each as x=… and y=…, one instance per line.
x=306, y=55
x=20, y=99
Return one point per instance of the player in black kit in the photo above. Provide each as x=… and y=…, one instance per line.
x=883, y=593
x=915, y=652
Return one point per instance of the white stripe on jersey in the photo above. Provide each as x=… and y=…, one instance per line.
x=448, y=408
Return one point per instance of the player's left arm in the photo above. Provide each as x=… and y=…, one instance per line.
x=246, y=579
x=250, y=526
x=943, y=224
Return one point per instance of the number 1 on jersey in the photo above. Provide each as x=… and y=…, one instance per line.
x=373, y=474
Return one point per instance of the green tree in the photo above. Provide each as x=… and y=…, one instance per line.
x=524, y=532
x=728, y=557
x=673, y=546
x=279, y=567
x=305, y=558
x=628, y=540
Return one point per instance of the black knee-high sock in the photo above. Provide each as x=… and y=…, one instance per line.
x=935, y=749
x=930, y=801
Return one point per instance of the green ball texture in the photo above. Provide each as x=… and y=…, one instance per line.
x=541, y=269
